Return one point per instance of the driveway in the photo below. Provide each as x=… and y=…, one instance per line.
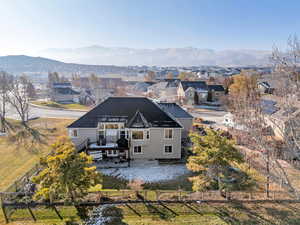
x=210, y=114
x=46, y=113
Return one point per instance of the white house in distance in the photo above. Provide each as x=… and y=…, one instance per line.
x=129, y=128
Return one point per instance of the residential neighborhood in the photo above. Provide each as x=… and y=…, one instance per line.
x=149, y=112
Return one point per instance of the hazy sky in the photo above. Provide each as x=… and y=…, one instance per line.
x=31, y=25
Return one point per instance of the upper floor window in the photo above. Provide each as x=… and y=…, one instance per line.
x=74, y=133
x=137, y=135
x=111, y=126
x=168, y=133
x=147, y=134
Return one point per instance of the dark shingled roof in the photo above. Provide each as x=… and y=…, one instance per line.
x=66, y=91
x=127, y=108
x=215, y=87
x=194, y=84
x=175, y=110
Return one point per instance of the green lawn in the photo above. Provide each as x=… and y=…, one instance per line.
x=180, y=214
x=61, y=106
x=16, y=161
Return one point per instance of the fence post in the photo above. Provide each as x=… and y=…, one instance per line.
x=3, y=209
x=180, y=196
x=31, y=213
x=157, y=195
x=57, y=213
x=16, y=186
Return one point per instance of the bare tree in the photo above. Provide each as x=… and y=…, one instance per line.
x=5, y=84
x=287, y=73
x=251, y=112
x=19, y=98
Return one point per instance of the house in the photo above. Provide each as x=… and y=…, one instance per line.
x=63, y=93
x=215, y=92
x=192, y=92
x=165, y=90
x=142, y=86
x=182, y=117
x=265, y=87
x=128, y=128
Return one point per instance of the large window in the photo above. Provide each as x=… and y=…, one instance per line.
x=168, y=149
x=168, y=133
x=111, y=126
x=137, y=149
x=137, y=135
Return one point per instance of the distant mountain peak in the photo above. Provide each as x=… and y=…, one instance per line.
x=186, y=56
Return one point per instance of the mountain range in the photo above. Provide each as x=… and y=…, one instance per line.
x=18, y=64
x=188, y=56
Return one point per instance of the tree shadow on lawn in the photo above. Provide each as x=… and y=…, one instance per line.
x=237, y=213
x=163, y=213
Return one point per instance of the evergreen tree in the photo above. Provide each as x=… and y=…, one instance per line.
x=212, y=155
x=67, y=174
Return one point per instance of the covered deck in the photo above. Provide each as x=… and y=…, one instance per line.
x=109, y=155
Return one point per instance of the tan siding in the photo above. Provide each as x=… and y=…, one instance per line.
x=154, y=148
x=187, y=124
x=84, y=133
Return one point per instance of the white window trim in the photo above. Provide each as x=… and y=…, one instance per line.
x=137, y=139
x=137, y=153
x=168, y=153
x=72, y=132
x=165, y=129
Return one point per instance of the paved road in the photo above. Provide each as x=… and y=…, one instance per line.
x=46, y=113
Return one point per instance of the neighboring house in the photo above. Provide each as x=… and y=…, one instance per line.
x=142, y=86
x=215, y=92
x=129, y=128
x=265, y=87
x=165, y=90
x=192, y=92
x=63, y=93
x=86, y=97
x=183, y=117
x=285, y=124
x=157, y=89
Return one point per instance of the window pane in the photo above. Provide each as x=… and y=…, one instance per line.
x=168, y=149
x=75, y=133
x=137, y=149
x=111, y=126
x=137, y=135
x=168, y=133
